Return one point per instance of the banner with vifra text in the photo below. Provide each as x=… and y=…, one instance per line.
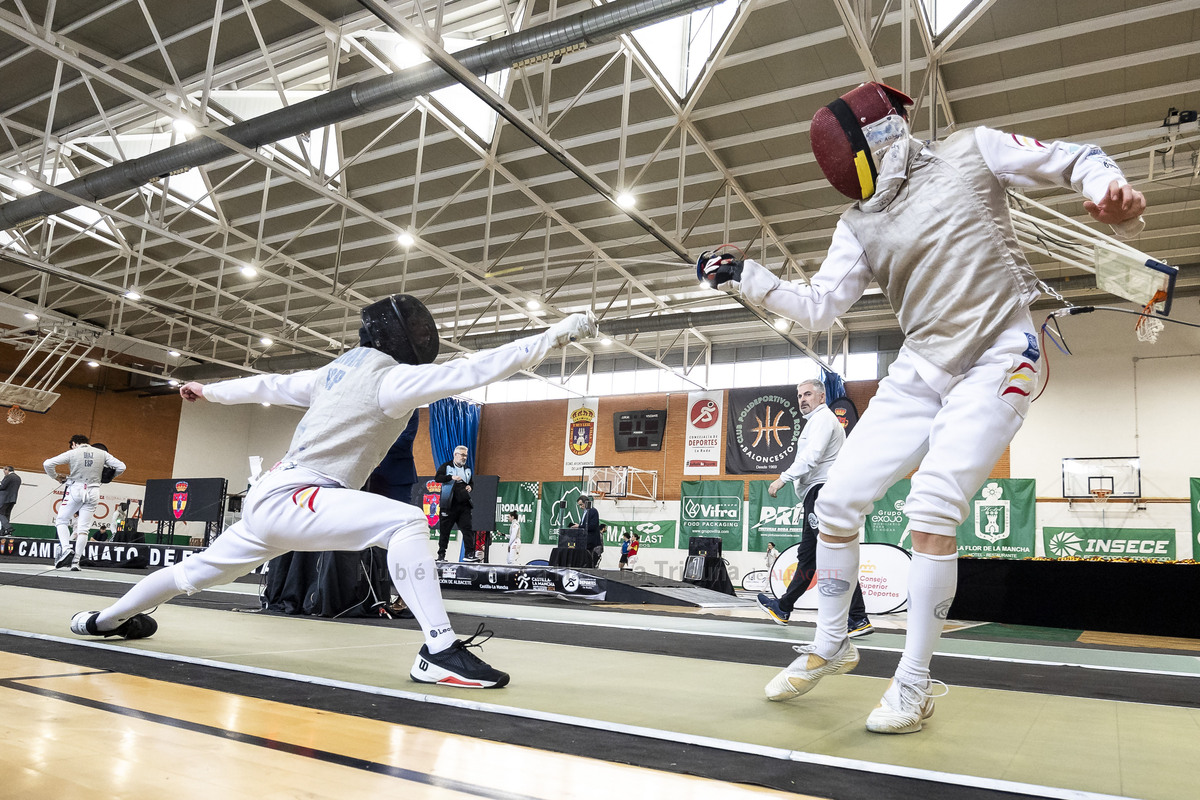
x=1000, y=519
x=778, y=519
x=558, y=509
x=711, y=508
x=702, y=436
x=519, y=497
x=762, y=429
x=580, y=439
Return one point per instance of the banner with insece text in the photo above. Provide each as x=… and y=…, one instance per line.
x=702, y=437
x=580, y=440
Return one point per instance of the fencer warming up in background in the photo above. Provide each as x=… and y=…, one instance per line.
x=931, y=227
x=357, y=406
x=86, y=463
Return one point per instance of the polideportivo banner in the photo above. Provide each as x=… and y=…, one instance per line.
x=702, y=436
x=1154, y=544
x=778, y=519
x=711, y=508
x=1000, y=520
x=762, y=429
x=558, y=509
x=521, y=497
x=581, y=429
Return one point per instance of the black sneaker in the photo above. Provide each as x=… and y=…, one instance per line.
x=458, y=666
x=139, y=626
x=859, y=627
x=771, y=606
x=65, y=559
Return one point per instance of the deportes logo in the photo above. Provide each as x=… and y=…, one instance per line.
x=1065, y=544
x=704, y=414
x=571, y=582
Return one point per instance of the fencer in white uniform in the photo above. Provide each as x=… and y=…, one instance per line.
x=86, y=465
x=931, y=227
x=357, y=407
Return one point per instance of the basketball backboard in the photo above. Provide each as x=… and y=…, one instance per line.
x=1084, y=477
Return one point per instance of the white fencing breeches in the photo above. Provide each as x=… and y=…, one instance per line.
x=81, y=498
x=952, y=437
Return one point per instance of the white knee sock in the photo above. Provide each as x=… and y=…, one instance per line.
x=152, y=590
x=64, y=536
x=415, y=575
x=837, y=573
x=81, y=541
x=931, y=584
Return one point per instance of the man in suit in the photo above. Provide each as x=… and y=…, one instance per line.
x=590, y=522
x=9, y=484
x=457, y=509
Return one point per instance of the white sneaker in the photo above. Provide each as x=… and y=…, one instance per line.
x=802, y=674
x=905, y=706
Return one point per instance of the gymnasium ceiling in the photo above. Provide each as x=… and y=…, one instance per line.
x=285, y=242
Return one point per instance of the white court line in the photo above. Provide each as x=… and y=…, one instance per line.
x=873, y=767
x=899, y=649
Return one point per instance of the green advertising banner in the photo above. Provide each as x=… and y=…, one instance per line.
x=1156, y=544
x=1000, y=519
x=651, y=533
x=777, y=519
x=521, y=497
x=886, y=523
x=711, y=508
x=558, y=509
x=1195, y=484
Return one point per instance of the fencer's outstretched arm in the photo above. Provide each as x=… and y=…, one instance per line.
x=1024, y=163
x=843, y=277
x=407, y=387
x=292, y=390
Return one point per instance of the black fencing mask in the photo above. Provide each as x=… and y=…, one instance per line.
x=401, y=326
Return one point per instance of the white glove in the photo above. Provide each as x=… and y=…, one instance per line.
x=573, y=328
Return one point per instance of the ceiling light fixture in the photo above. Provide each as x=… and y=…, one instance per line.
x=173, y=353
x=533, y=305
x=132, y=295
x=22, y=185
x=626, y=200
x=29, y=315
x=249, y=271
x=184, y=126
x=606, y=341
x=93, y=363
x=405, y=240
x=267, y=341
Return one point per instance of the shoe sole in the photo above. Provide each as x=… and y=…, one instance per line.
x=789, y=687
x=433, y=674
x=770, y=613
x=857, y=632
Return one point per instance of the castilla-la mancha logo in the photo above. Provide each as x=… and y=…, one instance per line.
x=992, y=514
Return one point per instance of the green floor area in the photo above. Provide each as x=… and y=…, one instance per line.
x=1027, y=633
x=1073, y=743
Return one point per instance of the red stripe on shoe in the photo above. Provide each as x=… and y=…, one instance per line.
x=456, y=681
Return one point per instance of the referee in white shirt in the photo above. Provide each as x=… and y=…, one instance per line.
x=820, y=442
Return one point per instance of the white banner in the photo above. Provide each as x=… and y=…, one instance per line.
x=39, y=499
x=702, y=440
x=580, y=449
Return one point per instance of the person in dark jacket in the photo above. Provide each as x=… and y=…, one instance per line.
x=456, y=510
x=590, y=522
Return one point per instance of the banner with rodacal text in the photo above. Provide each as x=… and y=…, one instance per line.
x=1153, y=544
x=761, y=430
x=711, y=508
x=702, y=437
x=520, y=497
x=558, y=509
x=778, y=519
x=1000, y=521
x=1195, y=484
x=580, y=436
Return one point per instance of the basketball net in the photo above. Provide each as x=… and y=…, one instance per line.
x=1147, y=327
x=1100, y=496
x=15, y=415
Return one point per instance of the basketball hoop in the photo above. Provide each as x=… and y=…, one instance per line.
x=15, y=415
x=1100, y=496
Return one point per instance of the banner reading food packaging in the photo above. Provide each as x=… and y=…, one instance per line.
x=580, y=449
x=778, y=519
x=762, y=430
x=1155, y=544
x=711, y=508
x=702, y=439
x=520, y=497
x=558, y=509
